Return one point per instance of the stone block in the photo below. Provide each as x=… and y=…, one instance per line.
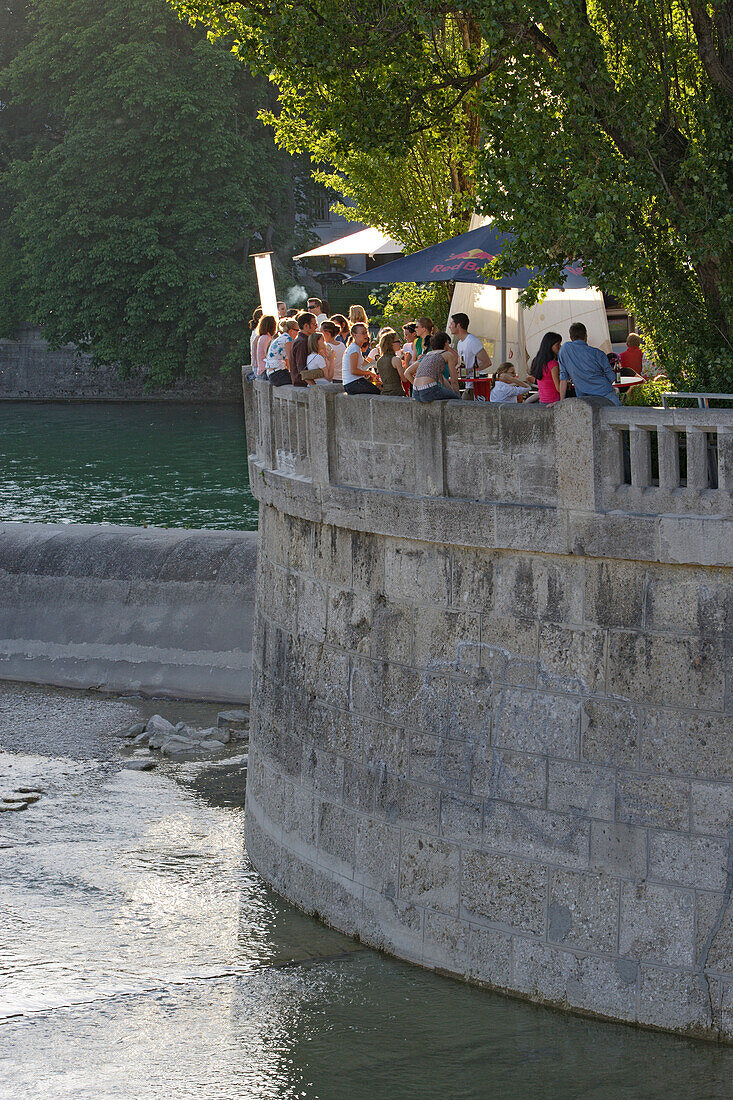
x=575, y=657
x=439, y=636
x=490, y=957
x=472, y=579
x=581, y=789
x=688, y=861
x=596, y=985
x=345, y=906
x=657, y=924
x=367, y=562
x=607, y=535
x=391, y=630
x=521, y=527
x=650, y=800
x=542, y=972
x=516, y=777
x=686, y=601
x=614, y=593
x=505, y=642
x=365, y=686
x=515, y=586
x=666, y=670
x=468, y=706
x=418, y=573
x=352, y=420
x=402, y=800
x=384, y=745
x=336, y=832
x=583, y=911
x=712, y=808
x=538, y=722
x=312, y=605
x=559, y=839
x=332, y=555
x=389, y=924
x=429, y=872
x=445, y=942
x=505, y=891
x=611, y=732
x=460, y=818
x=299, y=817
x=322, y=772
x=403, y=694
x=377, y=852
x=674, y=999
x=618, y=849
x=360, y=787
x=440, y=760
x=714, y=944
x=300, y=544
x=691, y=743
x=350, y=616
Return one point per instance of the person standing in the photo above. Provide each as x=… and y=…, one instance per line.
x=282, y=310
x=277, y=361
x=299, y=351
x=253, y=335
x=356, y=378
x=471, y=350
x=266, y=330
x=545, y=368
x=587, y=368
x=315, y=306
x=344, y=336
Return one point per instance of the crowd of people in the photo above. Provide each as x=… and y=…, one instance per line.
x=307, y=347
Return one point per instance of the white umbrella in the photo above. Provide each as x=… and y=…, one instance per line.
x=366, y=242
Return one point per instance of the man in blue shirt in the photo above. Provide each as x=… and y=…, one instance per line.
x=587, y=368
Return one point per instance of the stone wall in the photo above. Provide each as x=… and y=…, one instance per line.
x=492, y=692
x=29, y=370
x=162, y=612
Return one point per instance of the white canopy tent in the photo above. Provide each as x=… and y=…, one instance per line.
x=366, y=242
x=525, y=327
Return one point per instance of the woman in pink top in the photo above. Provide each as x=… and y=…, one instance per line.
x=545, y=368
x=265, y=332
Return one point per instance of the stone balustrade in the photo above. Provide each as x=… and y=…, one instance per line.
x=492, y=680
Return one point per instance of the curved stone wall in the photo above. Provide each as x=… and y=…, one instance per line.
x=491, y=708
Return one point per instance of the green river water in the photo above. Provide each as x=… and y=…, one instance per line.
x=155, y=464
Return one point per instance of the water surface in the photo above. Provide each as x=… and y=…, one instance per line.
x=141, y=956
x=101, y=462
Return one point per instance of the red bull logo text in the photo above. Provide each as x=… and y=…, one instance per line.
x=473, y=260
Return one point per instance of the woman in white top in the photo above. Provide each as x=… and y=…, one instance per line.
x=265, y=332
x=335, y=348
x=507, y=387
x=254, y=335
x=319, y=364
x=356, y=377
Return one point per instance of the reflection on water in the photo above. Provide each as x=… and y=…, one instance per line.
x=162, y=465
x=142, y=957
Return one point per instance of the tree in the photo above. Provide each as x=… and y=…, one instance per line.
x=135, y=182
x=599, y=130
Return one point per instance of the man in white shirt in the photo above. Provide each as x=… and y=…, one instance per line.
x=470, y=349
x=315, y=306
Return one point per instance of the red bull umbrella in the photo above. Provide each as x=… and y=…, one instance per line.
x=461, y=260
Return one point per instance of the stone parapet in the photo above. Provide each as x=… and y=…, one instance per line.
x=491, y=722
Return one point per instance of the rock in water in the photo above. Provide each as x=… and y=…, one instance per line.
x=177, y=746
x=134, y=731
x=141, y=739
x=233, y=719
x=210, y=745
x=212, y=733
x=139, y=765
x=158, y=724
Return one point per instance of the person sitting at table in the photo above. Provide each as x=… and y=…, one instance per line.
x=355, y=376
x=587, y=368
x=426, y=375
x=389, y=364
x=632, y=359
x=319, y=364
x=545, y=368
x=507, y=387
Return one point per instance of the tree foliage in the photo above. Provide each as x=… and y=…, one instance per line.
x=594, y=129
x=135, y=180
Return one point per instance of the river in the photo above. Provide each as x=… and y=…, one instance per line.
x=163, y=465
x=142, y=958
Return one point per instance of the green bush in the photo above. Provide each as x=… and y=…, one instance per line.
x=650, y=393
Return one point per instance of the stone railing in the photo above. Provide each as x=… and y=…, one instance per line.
x=618, y=482
x=491, y=692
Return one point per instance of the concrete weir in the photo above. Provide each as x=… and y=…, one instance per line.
x=164, y=612
x=491, y=704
